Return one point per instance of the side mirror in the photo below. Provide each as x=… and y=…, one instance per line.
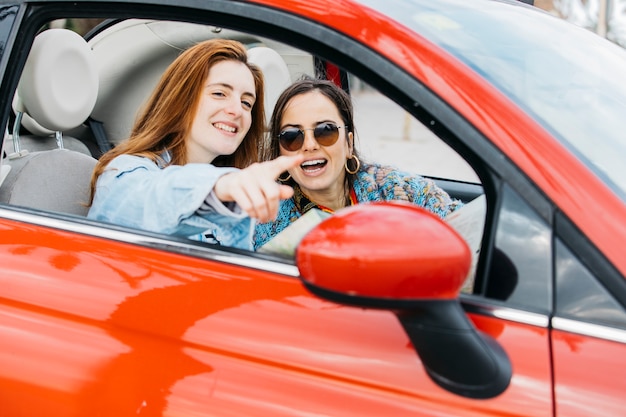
x=400, y=257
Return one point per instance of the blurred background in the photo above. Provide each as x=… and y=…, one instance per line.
x=607, y=18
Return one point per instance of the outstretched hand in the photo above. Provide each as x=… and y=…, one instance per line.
x=255, y=189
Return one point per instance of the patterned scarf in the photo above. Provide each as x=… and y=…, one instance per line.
x=304, y=203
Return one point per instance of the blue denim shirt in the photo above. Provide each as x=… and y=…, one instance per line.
x=177, y=200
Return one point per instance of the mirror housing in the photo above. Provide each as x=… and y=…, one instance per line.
x=419, y=256
x=400, y=257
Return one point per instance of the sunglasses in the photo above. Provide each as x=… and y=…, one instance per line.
x=326, y=134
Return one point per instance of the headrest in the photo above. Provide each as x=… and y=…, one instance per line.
x=275, y=73
x=59, y=85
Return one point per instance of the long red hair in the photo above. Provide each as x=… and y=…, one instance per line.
x=166, y=118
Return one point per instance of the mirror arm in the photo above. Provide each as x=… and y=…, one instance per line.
x=456, y=356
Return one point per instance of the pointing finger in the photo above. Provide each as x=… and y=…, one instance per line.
x=284, y=163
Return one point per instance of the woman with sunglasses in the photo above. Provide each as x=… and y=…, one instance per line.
x=188, y=168
x=314, y=119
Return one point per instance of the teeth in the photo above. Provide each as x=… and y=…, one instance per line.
x=313, y=162
x=222, y=126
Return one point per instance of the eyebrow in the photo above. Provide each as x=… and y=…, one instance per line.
x=230, y=87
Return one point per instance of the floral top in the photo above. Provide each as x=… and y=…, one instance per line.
x=373, y=183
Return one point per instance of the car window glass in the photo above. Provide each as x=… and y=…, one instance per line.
x=519, y=267
x=580, y=296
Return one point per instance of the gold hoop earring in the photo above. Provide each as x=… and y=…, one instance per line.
x=285, y=179
x=358, y=165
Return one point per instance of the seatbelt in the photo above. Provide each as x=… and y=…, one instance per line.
x=101, y=137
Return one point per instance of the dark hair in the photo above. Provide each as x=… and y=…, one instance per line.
x=168, y=115
x=342, y=101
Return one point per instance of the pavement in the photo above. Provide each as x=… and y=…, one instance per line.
x=386, y=133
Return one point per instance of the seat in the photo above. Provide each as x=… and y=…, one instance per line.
x=59, y=60
x=55, y=180
x=57, y=92
x=275, y=73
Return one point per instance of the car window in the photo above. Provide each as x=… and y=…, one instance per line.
x=390, y=134
x=580, y=296
x=520, y=266
x=386, y=133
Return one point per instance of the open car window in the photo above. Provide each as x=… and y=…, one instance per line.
x=131, y=55
x=389, y=134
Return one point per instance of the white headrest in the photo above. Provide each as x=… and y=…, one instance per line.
x=59, y=84
x=275, y=73
x=28, y=122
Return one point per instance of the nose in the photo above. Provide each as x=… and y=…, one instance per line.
x=310, y=143
x=234, y=107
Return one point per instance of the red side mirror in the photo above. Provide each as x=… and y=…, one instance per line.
x=385, y=250
x=402, y=258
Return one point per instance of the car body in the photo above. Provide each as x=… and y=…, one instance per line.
x=98, y=319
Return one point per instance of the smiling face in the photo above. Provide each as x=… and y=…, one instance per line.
x=224, y=112
x=322, y=174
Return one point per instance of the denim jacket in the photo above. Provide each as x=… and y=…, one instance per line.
x=177, y=200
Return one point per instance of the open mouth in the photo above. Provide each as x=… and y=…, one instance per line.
x=313, y=165
x=225, y=128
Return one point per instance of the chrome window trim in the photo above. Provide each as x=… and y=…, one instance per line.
x=506, y=313
x=209, y=253
x=589, y=329
x=597, y=331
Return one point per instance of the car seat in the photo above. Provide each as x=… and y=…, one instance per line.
x=59, y=59
x=275, y=73
x=57, y=92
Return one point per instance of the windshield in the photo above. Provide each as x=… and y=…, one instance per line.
x=570, y=79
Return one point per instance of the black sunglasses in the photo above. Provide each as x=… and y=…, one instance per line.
x=326, y=134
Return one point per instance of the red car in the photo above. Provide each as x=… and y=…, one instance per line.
x=515, y=307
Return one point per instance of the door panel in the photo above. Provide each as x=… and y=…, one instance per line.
x=528, y=348
x=94, y=325
x=586, y=381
